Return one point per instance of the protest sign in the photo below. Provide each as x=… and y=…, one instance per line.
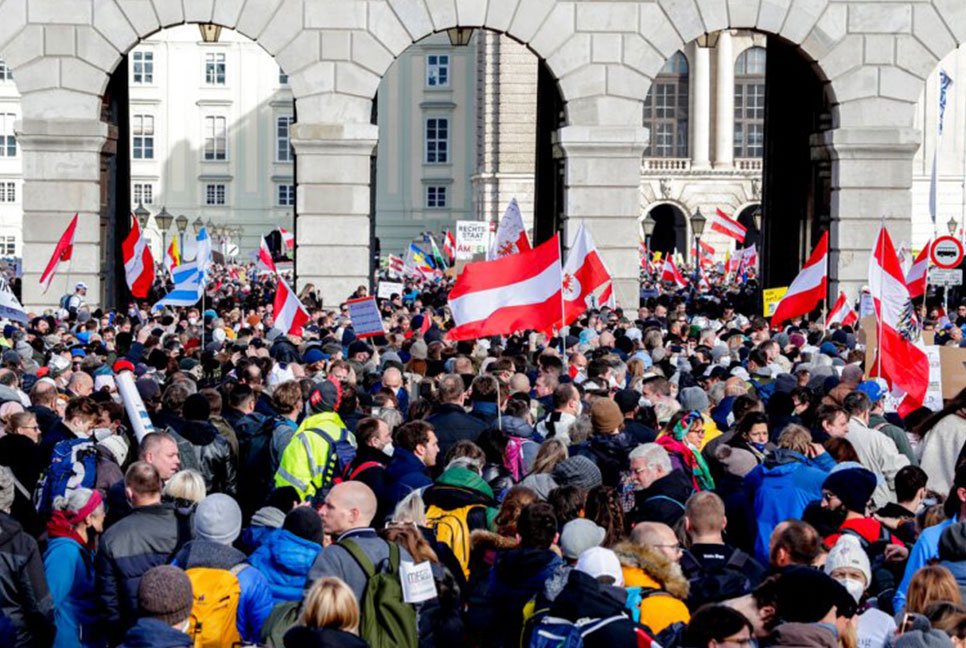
x=366, y=320
x=472, y=238
x=389, y=288
x=771, y=297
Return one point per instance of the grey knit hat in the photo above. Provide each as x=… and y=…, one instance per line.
x=6, y=489
x=218, y=519
x=577, y=471
x=164, y=593
x=693, y=398
x=579, y=535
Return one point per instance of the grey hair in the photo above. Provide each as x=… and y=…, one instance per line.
x=391, y=417
x=717, y=392
x=654, y=456
x=75, y=501
x=581, y=430
x=469, y=463
x=410, y=510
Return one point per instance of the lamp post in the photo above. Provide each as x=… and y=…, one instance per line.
x=951, y=226
x=181, y=222
x=164, y=224
x=697, y=226
x=460, y=36
x=649, y=224
x=142, y=215
x=197, y=225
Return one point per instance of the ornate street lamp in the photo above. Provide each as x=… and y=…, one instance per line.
x=951, y=226
x=181, y=223
x=210, y=33
x=142, y=215
x=460, y=36
x=164, y=219
x=698, y=222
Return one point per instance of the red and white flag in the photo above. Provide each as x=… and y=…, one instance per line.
x=449, y=247
x=511, y=235
x=582, y=274
x=671, y=274
x=138, y=261
x=809, y=287
x=265, y=261
x=396, y=265
x=724, y=224
x=749, y=258
x=62, y=253
x=706, y=255
x=607, y=297
x=521, y=291
x=918, y=272
x=842, y=313
x=899, y=360
x=290, y=314
x=287, y=237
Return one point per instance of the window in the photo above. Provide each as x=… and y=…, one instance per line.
x=282, y=77
x=215, y=194
x=435, y=197
x=8, y=245
x=8, y=141
x=437, y=140
x=666, y=111
x=283, y=142
x=215, y=68
x=216, y=141
x=750, y=103
x=143, y=193
x=143, y=140
x=8, y=191
x=286, y=195
x=5, y=73
x=143, y=68
x=437, y=71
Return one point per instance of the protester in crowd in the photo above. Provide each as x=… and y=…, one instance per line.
x=649, y=560
x=165, y=600
x=330, y=617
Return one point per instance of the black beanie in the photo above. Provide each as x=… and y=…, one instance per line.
x=196, y=408
x=304, y=521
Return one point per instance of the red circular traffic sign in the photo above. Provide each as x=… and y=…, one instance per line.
x=946, y=252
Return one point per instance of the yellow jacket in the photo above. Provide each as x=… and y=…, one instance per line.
x=649, y=568
x=309, y=461
x=711, y=430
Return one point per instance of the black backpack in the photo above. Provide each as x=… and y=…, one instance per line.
x=254, y=434
x=885, y=577
x=715, y=584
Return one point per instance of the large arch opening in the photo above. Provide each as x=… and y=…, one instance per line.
x=670, y=230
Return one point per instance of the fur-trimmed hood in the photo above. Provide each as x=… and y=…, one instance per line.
x=483, y=540
x=653, y=565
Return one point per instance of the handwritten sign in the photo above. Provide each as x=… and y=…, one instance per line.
x=366, y=320
x=771, y=298
x=389, y=288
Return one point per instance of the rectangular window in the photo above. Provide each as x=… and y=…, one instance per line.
x=435, y=197
x=216, y=139
x=437, y=71
x=283, y=142
x=143, y=193
x=142, y=142
x=282, y=77
x=8, y=192
x=8, y=245
x=749, y=139
x=215, y=194
x=215, y=68
x=437, y=140
x=8, y=141
x=5, y=73
x=286, y=195
x=143, y=68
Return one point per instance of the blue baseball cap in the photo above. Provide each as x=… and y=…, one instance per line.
x=872, y=389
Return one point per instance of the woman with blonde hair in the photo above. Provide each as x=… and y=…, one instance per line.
x=186, y=487
x=551, y=452
x=928, y=585
x=330, y=618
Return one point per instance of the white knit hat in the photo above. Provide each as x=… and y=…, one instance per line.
x=848, y=552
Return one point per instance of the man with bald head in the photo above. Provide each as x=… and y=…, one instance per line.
x=81, y=384
x=392, y=379
x=650, y=560
x=347, y=515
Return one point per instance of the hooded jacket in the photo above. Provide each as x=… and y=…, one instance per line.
x=459, y=487
x=649, y=568
x=24, y=597
x=609, y=453
x=285, y=559
x=152, y=633
x=213, y=456
x=664, y=500
x=70, y=576
x=308, y=462
x=782, y=487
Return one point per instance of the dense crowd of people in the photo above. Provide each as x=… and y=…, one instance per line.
x=674, y=475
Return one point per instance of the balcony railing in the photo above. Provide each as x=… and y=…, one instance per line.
x=667, y=164
x=748, y=164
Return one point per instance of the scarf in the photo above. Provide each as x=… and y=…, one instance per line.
x=59, y=526
x=674, y=442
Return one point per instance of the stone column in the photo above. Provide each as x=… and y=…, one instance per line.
x=602, y=182
x=871, y=182
x=333, y=206
x=724, y=152
x=61, y=172
x=701, y=113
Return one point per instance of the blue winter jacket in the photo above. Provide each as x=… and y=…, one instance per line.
x=925, y=549
x=284, y=559
x=406, y=472
x=69, y=567
x=152, y=633
x=782, y=487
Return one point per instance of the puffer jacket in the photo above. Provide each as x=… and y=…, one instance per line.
x=284, y=559
x=25, y=599
x=649, y=568
x=213, y=456
x=152, y=633
x=70, y=575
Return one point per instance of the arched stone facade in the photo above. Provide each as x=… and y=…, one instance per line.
x=875, y=56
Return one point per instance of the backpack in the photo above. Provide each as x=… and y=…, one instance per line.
x=283, y=617
x=73, y=465
x=452, y=529
x=212, y=623
x=386, y=621
x=65, y=302
x=364, y=466
x=636, y=596
x=513, y=459
x=343, y=449
x=712, y=585
x=554, y=632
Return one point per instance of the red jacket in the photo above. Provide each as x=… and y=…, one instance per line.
x=869, y=528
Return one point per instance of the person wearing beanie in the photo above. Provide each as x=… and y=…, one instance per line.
x=577, y=471
x=846, y=493
x=696, y=399
x=164, y=606
x=610, y=444
x=809, y=602
x=217, y=524
x=848, y=563
x=287, y=555
x=204, y=449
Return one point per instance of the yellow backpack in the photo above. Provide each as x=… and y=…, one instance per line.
x=215, y=609
x=452, y=529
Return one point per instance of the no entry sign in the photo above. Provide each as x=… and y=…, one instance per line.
x=946, y=252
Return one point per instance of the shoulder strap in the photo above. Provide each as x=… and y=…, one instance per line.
x=594, y=626
x=19, y=486
x=360, y=556
x=862, y=540
x=665, y=497
x=366, y=465
x=737, y=560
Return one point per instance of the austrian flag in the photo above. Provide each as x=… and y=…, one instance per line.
x=842, y=313
x=809, y=287
x=138, y=262
x=724, y=224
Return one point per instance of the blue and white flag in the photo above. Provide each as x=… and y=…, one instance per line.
x=190, y=278
x=944, y=82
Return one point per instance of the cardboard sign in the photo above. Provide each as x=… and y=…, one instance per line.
x=366, y=320
x=417, y=581
x=866, y=306
x=771, y=298
x=934, y=393
x=472, y=238
x=388, y=288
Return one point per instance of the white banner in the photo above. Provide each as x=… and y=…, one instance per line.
x=388, y=288
x=472, y=238
x=934, y=393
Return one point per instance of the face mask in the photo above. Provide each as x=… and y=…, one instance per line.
x=855, y=588
x=102, y=433
x=760, y=447
x=725, y=361
x=645, y=402
x=192, y=321
x=387, y=449
x=580, y=408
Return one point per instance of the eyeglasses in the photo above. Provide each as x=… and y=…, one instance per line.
x=827, y=496
x=639, y=471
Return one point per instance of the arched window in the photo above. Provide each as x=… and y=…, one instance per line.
x=666, y=111
x=750, y=103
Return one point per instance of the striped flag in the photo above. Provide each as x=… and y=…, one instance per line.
x=808, y=288
x=449, y=247
x=842, y=313
x=918, y=273
x=138, y=262
x=706, y=255
x=671, y=274
x=290, y=315
x=190, y=278
x=395, y=265
x=287, y=237
x=724, y=224
x=265, y=261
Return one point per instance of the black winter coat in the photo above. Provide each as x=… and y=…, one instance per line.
x=24, y=597
x=453, y=424
x=212, y=455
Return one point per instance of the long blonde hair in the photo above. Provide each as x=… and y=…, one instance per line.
x=331, y=604
x=929, y=584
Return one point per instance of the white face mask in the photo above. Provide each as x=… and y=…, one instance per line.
x=102, y=433
x=192, y=321
x=645, y=402
x=387, y=449
x=580, y=408
x=855, y=588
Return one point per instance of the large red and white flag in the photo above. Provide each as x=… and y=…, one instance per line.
x=290, y=314
x=842, y=313
x=396, y=265
x=899, y=360
x=521, y=291
x=511, y=235
x=724, y=224
x=583, y=273
x=62, y=253
x=706, y=254
x=918, y=272
x=138, y=261
x=265, y=261
x=749, y=258
x=671, y=274
x=607, y=296
x=449, y=247
x=809, y=287
x=287, y=237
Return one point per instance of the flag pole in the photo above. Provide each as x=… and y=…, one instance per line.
x=878, y=314
x=563, y=315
